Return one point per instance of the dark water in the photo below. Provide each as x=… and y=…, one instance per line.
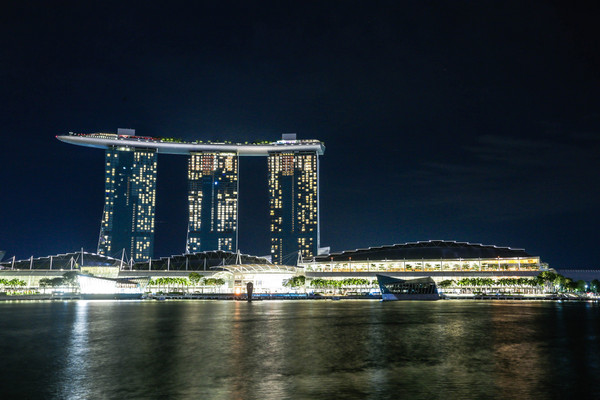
x=299, y=350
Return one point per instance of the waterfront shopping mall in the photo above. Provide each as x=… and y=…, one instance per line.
x=354, y=271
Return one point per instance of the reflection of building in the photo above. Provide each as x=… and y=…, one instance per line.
x=213, y=201
x=294, y=205
x=129, y=202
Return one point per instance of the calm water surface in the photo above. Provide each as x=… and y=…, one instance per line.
x=299, y=350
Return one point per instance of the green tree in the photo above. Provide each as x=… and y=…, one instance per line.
x=595, y=286
x=210, y=281
x=56, y=282
x=446, y=283
x=295, y=281
x=44, y=283
x=194, y=278
x=183, y=283
x=15, y=282
x=70, y=278
x=561, y=282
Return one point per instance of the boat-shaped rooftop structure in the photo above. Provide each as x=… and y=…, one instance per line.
x=176, y=146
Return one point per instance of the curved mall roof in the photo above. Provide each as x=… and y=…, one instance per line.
x=62, y=261
x=204, y=260
x=169, y=146
x=429, y=250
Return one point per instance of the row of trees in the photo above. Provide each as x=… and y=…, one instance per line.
x=54, y=282
x=68, y=279
x=295, y=281
x=174, y=282
x=548, y=280
x=198, y=280
x=556, y=282
x=339, y=283
x=194, y=279
x=482, y=282
x=12, y=283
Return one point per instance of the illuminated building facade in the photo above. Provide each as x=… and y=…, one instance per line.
x=212, y=201
x=294, y=205
x=442, y=257
x=129, y=203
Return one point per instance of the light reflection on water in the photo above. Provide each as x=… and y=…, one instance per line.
x=299, y=349
x=70, y=383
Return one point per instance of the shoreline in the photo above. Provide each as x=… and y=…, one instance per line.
x=292, y=296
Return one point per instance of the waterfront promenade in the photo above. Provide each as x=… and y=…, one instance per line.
x=297, y=296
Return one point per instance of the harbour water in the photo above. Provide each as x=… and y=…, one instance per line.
x=299, y=350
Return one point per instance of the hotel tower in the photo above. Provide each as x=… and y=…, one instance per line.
x=294, y=205
x=212, y=201
x=129, y=202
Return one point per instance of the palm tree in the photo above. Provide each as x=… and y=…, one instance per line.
x=446, y=283
x=13, y=283
x=194, y=278
x=595, y=286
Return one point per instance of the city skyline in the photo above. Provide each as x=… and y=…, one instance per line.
x=448, y=121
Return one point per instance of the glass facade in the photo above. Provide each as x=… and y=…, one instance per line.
x=422, y=265
x=212, y=201
x=294, y=205
x=129, y=203
x=389, y=285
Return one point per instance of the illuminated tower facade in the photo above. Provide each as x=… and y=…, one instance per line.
x=212, y=201
x=129, y=202
x=294, y=205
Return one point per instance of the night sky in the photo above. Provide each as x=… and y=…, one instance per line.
x=458, y=120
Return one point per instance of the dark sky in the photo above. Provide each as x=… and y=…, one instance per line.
x=456, y=120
